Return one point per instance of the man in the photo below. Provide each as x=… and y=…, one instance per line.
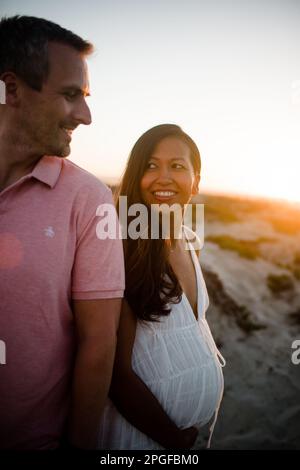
x=60, y=285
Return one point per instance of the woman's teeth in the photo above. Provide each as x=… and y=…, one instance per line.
x=164, y=193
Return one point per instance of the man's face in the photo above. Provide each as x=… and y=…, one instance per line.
x=47, y=118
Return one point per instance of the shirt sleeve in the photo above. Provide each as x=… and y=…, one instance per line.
x=98, y=269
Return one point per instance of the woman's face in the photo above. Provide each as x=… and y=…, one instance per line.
x=169, y=176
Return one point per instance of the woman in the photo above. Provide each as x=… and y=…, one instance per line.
x=167, y=380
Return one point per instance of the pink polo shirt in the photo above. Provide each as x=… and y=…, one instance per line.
x=49, y=255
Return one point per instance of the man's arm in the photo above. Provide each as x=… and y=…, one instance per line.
x=96, y=326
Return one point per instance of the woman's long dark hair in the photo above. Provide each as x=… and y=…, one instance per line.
x=148, y=289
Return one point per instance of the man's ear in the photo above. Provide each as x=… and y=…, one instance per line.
x=12, y=85
x=195, y=188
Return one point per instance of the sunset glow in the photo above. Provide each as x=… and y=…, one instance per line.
x=227, y=72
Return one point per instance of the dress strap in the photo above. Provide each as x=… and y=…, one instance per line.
x=212, y=427
x=211, y=342
x=212, y=345
x=202, y=295
x=203, y=325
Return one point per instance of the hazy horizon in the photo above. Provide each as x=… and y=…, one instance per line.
x=115, y=181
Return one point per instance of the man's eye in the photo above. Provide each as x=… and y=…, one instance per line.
x=70, y=95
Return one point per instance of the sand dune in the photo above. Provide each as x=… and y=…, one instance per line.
x=251, y=267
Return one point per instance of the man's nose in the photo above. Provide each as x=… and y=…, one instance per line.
x=82, y=113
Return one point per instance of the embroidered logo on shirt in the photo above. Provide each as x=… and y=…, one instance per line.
x=49, y=232
x=2, y=352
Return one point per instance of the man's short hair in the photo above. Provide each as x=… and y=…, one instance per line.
x=24, y=47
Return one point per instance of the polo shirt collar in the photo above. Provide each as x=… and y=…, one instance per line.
x=47, y=170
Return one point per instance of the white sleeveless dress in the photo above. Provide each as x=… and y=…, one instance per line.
x=179, y=362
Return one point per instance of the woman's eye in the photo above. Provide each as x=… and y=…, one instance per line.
x=151, y=165
x=178, y=166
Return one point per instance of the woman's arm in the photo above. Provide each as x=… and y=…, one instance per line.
x=134, y=400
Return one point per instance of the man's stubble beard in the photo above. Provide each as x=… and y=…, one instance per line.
x=48, y=144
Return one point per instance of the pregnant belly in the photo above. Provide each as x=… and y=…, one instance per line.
x=191, y=397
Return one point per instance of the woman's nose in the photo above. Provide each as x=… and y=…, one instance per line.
x=164, y=174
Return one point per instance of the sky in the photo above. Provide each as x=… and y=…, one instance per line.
x=227, y=72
